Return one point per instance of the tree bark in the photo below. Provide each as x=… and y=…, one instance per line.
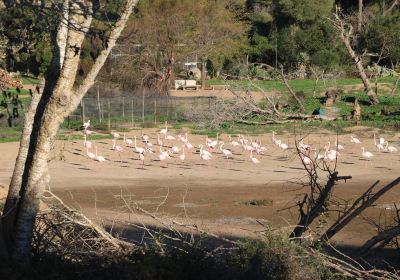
x=360, y=15
x=16, y=179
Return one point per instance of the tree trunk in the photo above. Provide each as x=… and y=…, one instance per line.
x=345, y=36
x=16, y=179
x=360, y=15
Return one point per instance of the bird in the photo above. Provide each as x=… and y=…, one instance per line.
x=284, y=147
x=159, y=141
x=99, y=158
x=233, y=143
x=227, y=153
x=188, y=145
x=164, y=130
x=90, y=154
x=175, y=149
x=354, y=140
x=141, y=157
x=366, y=154
x=169, y=137
x=331, y=155
x=390, y=149
x=86, y=143
x=338, y=146
x=253, y=159
x=211, y=143
x=182, y=156
x=128, y=141
x=139, y=150
x=86, y=125
x=115, y=134
x=118, y=149
x=145, y=137
x=206, y=153
x=380, y=146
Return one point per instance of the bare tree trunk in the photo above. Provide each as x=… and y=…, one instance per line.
x=360, y=15
x=16, y=180
x=345, y=34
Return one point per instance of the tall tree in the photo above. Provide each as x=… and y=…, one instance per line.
x=61, y=95
x=164, y=32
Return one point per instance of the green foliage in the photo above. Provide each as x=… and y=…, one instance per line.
x=305, y=10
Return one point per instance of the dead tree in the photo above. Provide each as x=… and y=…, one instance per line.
x=60, y=97
x=346, y=35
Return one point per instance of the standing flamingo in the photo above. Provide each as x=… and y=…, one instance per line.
x=128, y=141
x=138, y=149
x=182, y=156
x=86, y=143
x=90, y=154
x=226, y=152
x=253, y=159
x=118, y=149
x=99, y=158
x=367, y=155
x=165, y=130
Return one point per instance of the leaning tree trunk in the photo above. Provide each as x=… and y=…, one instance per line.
x=346, y=31
x=57, y=102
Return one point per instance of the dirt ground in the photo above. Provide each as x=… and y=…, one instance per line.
x=214, y=194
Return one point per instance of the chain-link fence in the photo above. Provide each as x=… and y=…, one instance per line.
x=117, y=112
x=135, y=111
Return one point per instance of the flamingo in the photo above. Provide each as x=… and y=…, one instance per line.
x=118, y=149
x=99, y=158
x=338, y=146
x=159, y=141
x=86, y=143
x=204, y=152
x=210, y=143
x=366, y=154
x=115, y=134
x=138, y=149
x=284, y=147
x=253, y=159
x=169, y=137
x=226, y=152
x=182, y=156
x=354, y=140
x=141, y=157
x=164, y=130
x=188, y=145
x=86, y=125
x=390, y=149
x=145, y=137
x=128, y=141
x=90, y=154
x=233, y=143
x=163, y=156
x=175, y=149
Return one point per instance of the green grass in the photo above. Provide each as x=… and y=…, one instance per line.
x=305, y=85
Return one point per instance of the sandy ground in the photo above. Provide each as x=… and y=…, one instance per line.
x=212, y=194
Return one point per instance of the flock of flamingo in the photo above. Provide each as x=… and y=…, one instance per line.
x=172, y=147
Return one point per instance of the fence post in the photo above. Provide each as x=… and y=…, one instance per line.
x=83, y=111
x=142, y=106
x=109, y=114
x=133, y=113
x=123, y=107
x=98, y=102
x=155, y=110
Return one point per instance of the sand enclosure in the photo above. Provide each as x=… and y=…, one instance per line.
x=218, y=194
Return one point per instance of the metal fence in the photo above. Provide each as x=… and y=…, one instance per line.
x=113, y=112
x=131, y=111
